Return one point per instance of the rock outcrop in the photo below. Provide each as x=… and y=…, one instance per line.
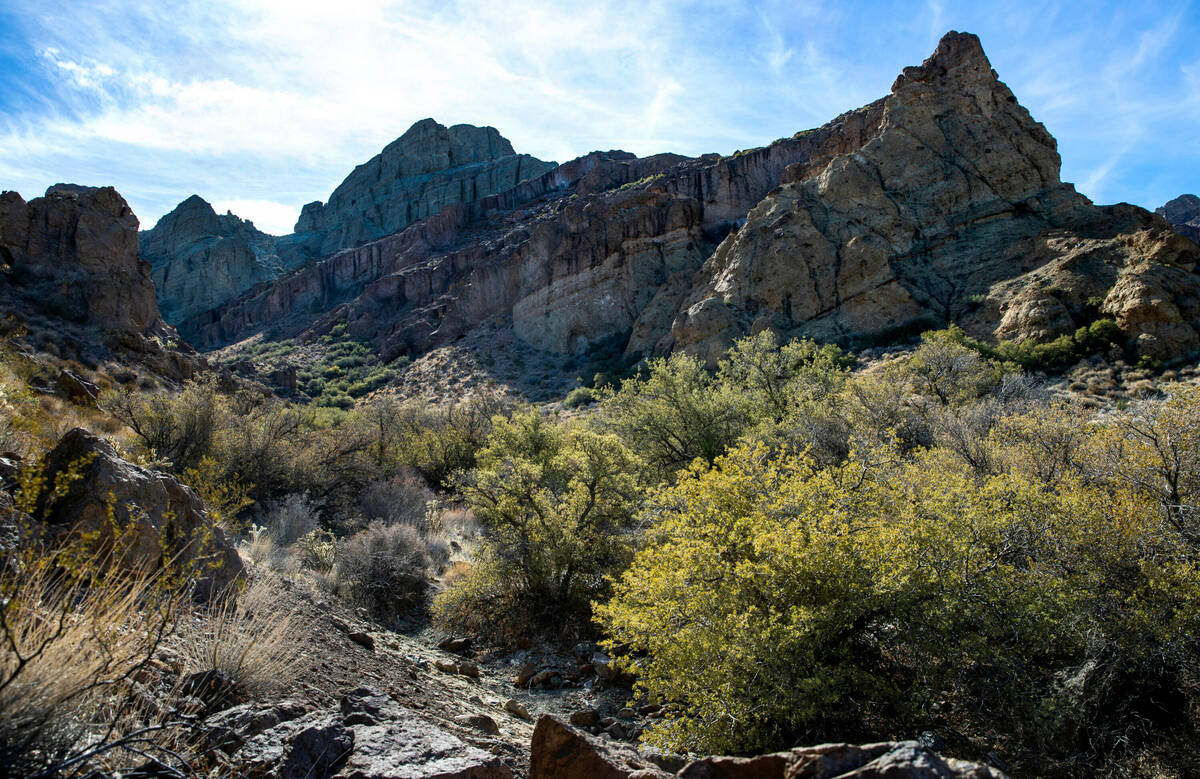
x=157, y=519
x=369, y=737
x=199, y=259
x=939, y=203
x=414, y=177
x=1184, y=215
x=956, y=197
x=73, y=254
x=560, y=751
x=72, y=278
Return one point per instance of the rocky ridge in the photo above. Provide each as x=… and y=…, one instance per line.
x=199, y=259
x=1184, y=215
x=939, y=203
x=427, y=168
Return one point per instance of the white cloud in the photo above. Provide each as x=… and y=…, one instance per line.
x=268, y=216
x=269, y=104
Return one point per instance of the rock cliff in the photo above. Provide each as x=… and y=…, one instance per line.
x=1184, y=215
x=414, y=177
x=199, y=259
x=72, y=278
x=938, y=203
x=74, y=254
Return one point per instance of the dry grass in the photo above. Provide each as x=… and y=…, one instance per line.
x=256, y=639
x=68, y=657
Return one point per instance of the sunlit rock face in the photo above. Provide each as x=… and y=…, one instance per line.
x=938, y=203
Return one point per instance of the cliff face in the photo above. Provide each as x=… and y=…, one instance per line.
x=199, y=259
x=74, y=254
x=956, y=197
x=72, y=278
x=938, y=203
x=414, y=177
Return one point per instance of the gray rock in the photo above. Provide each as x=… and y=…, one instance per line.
x=414, y=177
x=198, y=259
x=157, y=514
x=1183, y=213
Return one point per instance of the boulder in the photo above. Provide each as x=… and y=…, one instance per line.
x=559, y=751
x=157, y=517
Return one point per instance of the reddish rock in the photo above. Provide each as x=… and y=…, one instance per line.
x=559, y=751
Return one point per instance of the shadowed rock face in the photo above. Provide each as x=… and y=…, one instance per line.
x=201, y=260
x=198, y=259
x=73, y=255
x=1184, y=215
x=414, y=177
x=938, y=203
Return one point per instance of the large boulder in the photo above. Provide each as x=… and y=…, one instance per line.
x=157, y=518
x=560, y=751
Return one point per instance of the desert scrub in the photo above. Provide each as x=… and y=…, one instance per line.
x=781, y=602
x=385, y=569
x=555, y=502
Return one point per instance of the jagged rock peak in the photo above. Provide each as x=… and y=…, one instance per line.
x=192, y=219
x=200, y=258
x=958, y=56
x=1184, y=215
x=414, y=177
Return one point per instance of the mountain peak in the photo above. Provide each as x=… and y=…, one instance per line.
x=959, y=56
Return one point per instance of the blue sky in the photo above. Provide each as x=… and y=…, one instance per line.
x=261, y=106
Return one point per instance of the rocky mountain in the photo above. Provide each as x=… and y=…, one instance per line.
x=199, y=259
x=939, y=203
x=414, y=177
x=1184, y=215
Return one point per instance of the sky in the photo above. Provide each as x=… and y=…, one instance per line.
x=260, y=106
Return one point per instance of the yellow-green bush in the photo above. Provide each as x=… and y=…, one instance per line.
x=777, y=601
x=556, y=502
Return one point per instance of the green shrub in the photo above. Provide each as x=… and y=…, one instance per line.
x=556, y=503
x=780, y=602
x=580, y=396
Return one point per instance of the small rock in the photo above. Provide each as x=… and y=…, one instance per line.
x=455, y=644
x=480, y=722
x=467, y=668
x=517, y=709
x=585, y=718
x=362, y=639
x=616, y=730
x=446, y=666
x=626, y=713
x=525, y=674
